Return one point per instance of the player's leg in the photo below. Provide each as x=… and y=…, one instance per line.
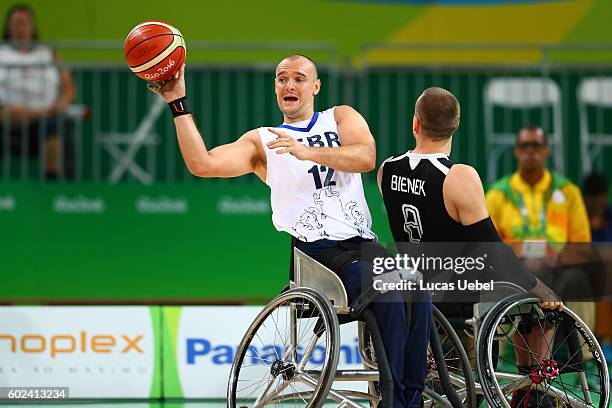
x=391, y=319
x=406, y=347
x=418, y=338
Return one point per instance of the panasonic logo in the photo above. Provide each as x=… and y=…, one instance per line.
x=200, y=350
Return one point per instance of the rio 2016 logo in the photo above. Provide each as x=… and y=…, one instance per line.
x=161, y=71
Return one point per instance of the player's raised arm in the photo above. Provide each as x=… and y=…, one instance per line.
x=229, y=160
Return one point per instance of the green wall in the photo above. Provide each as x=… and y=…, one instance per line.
x=75, y=243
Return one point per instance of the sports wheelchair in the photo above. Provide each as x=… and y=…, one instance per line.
x=301, y=328
x=289, y=354
x=566, y=364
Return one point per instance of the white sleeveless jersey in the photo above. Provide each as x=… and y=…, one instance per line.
x=28, y=78
x=310, y=201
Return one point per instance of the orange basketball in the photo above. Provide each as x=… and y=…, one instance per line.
x=154, y=50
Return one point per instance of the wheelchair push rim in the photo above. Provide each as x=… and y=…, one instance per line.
x=568, y=368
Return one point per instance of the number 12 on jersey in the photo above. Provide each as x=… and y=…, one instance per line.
x=316, y=175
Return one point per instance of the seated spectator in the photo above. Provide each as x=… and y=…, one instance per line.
x=538, y=212
x=34, y=93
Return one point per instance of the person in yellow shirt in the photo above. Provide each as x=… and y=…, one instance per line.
x=537, y=211
x=535, y=204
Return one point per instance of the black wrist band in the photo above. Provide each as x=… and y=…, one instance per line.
x=180, y=107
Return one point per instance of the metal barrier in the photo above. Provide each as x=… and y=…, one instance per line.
x=130, y=136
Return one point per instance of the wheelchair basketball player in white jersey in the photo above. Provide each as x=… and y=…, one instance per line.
x=312, y=163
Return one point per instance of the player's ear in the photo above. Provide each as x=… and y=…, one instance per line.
x=416, y=125
x=317, y=86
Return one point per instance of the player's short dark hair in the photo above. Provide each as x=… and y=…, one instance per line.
x=595, y=184
x=438, y=112
x=532, y=128
x=314, y=64
x=14, y=9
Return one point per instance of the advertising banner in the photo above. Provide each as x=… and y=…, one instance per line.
x=98, y=352
x=203, y=342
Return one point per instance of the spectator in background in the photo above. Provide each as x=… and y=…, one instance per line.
x=595, y=191
x=535, y=204
x=34, y=92
x=536, y=212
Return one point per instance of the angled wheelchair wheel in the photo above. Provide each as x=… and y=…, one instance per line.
x=544, y=358
x=449, y=357
x=288, y=355
x=370, y=361
x=449, y=370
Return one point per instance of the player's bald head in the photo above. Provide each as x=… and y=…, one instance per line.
x=306, y=64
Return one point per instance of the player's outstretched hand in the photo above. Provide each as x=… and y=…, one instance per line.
x=289, y=144
x=171, y=89
x=550, y=300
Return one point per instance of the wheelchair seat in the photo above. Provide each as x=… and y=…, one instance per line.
x=312, y=274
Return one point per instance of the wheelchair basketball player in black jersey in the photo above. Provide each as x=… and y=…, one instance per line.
x=449, y=205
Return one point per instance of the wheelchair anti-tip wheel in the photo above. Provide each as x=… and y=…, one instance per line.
x=288, y=355
x=561, y=363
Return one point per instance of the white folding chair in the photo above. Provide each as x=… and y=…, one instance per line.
x=520, y=94
x=595, y=92
x=142, y=136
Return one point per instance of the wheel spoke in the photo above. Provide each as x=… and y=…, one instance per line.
x=298, y=393
x=278, y=389
x=257, y=383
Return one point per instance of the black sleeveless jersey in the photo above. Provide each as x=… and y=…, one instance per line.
x=412, y=191
x=411, y=186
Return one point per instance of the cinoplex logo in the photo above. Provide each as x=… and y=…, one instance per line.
x=100, y=351
x=59, y=344
x=84, y=353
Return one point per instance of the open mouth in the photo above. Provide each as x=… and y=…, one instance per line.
x=290, y=98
